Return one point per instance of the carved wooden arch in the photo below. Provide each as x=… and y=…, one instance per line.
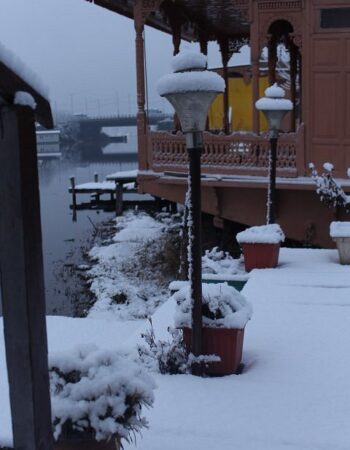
x=293, y=20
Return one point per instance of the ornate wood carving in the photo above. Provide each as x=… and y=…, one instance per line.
x=282, y=4
x=229, y=155
x=269, y=19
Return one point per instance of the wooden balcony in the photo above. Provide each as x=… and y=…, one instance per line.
x=235, y=154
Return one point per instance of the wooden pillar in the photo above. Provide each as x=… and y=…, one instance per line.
x=203, y=43
x=293, y=51
x=255, y=56
x=225, y=58
x=176, y=29
x=141, y=96
x=22, y=281
x=272, y=59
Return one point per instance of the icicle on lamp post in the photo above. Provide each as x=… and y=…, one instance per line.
x=275, y=107
x=191, y=89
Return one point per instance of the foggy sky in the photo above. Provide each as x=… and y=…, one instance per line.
x=84, y=53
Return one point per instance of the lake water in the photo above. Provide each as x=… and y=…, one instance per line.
x=64, y=239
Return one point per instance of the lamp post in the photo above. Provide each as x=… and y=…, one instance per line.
x=275, y=107
x=191, y=89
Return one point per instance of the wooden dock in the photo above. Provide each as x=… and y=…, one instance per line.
x=115, y=186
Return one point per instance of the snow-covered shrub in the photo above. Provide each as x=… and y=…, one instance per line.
x=216, y=261
x=264, y=234
x=99, y=394
x=164, y=356
x=170, y=357
x=327, y=188
x=222, y=306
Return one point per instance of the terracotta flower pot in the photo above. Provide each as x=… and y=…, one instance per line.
x=343, y=245
x=224, y=342
x=260, y=256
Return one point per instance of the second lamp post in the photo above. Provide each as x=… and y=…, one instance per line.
x=275, y=107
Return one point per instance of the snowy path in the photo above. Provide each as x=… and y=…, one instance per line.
x=294, y=393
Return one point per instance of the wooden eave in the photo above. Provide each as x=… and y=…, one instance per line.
x=214, y=18
x=156, y=20
x=10, y=83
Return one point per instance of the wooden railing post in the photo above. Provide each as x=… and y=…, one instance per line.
x=22, y=281
x=140, y=85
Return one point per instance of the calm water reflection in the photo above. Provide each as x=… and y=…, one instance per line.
x=63, y=238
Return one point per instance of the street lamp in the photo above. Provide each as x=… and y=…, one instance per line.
x=275, y=107
x=191, y=89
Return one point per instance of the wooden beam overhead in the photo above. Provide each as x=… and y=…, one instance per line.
x=10, y=83
x=212, y=16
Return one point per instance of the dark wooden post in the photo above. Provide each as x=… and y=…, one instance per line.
x=255, y=55
x=272, y=59
x=97, y=197
x=293, y=51
x=271, y=195
x=118, y=198
x=225, y=56
x=74, y=195
x=22, y=283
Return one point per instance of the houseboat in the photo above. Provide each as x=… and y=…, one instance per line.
x=316, y=35
x=48, y=143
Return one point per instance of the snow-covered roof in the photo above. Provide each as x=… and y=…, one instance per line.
x=16, y=65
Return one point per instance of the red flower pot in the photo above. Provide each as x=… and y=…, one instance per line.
x=260, y=256
x=224, y=342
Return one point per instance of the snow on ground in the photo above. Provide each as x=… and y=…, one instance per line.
x=294, y=393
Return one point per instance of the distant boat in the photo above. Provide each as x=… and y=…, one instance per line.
x=48, y=143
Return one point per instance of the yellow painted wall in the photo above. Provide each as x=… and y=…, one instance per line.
x=240, y=99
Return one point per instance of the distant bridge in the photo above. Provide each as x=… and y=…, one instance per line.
x=89, y=128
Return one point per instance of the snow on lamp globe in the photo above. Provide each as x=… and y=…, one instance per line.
x=191, y=89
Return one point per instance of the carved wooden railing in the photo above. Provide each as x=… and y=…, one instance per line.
x=238, y=153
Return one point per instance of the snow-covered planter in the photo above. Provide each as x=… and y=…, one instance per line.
x=261, y=245
x=97, y=397
x=340, y=233
x=225, y=313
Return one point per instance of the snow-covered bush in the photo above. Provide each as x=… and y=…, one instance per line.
x=216, y=261
x=164, y=356
x=98, y=394
x=327, y=188
x=264, y=234
x=222, y=306
x=170, y=357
